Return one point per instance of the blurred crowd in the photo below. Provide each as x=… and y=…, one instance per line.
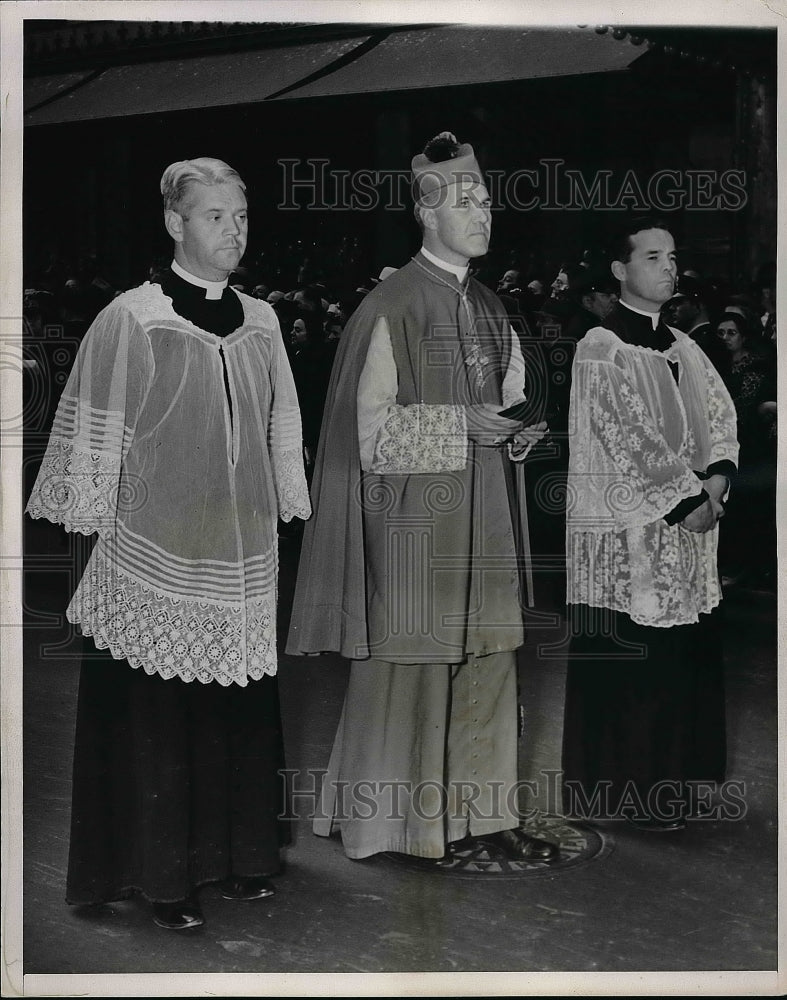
x=315, y=290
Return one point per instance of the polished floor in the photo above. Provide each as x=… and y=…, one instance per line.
x=703, y=899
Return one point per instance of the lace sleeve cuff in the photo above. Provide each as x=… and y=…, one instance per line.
x=422, y=438
x=291, y=489
x=77, y=488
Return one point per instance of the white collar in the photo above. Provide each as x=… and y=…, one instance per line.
x=460, y=272
x=652, y=316
x=213, y=289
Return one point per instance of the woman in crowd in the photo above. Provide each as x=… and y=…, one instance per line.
x=748, y=535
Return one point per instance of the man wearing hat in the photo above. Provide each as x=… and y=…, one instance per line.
x=409, y=566
x=595, y=292
x=688, y=311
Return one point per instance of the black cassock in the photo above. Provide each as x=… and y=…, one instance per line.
x=645, y=706
x=174, y=784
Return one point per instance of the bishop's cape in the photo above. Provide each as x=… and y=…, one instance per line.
x=437, y=508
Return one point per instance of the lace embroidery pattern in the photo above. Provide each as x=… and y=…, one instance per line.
x=622, y=473
x=659, y=575
x=171, y=636
x=76, y=488
x=722, y=417
x=422, y=438
x=148, y=303
x=623, y=478
x=291, y=488
x=642, y=439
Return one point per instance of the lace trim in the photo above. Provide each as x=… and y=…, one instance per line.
x=621, y=473
x=723, y=422
x=149, y=305
x=171, y=636
x=642, y=440
x=76, y=488
x=422, y=438
x=659, y=575
x=291, y=489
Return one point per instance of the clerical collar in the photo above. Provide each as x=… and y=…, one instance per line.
x=460, y=272
x=654, y=317
x=213, y=289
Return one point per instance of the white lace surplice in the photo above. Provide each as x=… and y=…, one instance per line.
x=183, y=491
x=637, y=439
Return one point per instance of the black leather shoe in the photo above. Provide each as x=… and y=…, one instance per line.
x=516, y=845
x=247, y=887
x=651, y=824
x=178, y=916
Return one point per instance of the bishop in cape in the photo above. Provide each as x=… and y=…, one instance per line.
x=410, y=565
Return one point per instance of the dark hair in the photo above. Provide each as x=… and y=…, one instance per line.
x=313, y=322
x=591, y=280
x=312, y=294
x=574, y=273
x=620, y=246
x=287, y=312
x=743, y=320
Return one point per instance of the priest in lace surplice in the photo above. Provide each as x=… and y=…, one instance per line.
x=178, y=442
x=410, y=565
x=653, y=451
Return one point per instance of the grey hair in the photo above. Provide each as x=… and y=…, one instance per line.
x=204, y=170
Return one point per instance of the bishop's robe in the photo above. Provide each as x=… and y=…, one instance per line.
x=409, y=567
